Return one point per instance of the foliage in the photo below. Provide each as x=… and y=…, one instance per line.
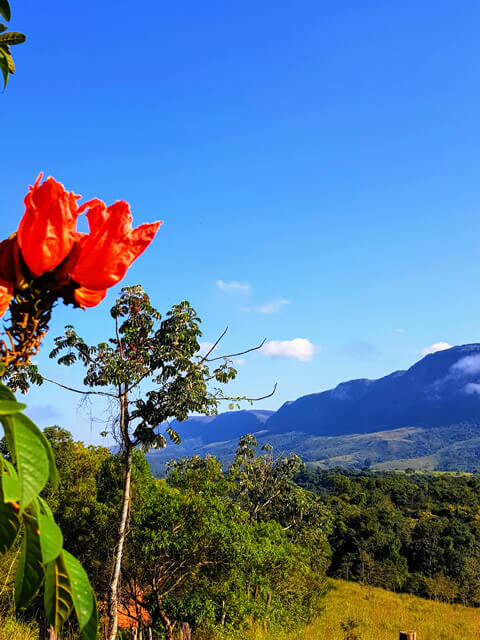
x=7, y=40
x=42, y=558
x=195, y=554
x=413, y=532
x=203, y=553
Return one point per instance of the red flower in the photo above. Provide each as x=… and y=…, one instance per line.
x=11, y=275
x=46, y=231
x=81, y=266
x=6, y=295
x=112, y=245
x=89, y=297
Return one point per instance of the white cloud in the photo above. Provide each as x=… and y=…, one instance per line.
x=240, y=361
x=299, y=348
x=234, y=287
x=204, y=348
x=472, y=388
x=273, y=306
x=437, y=346
x=469, y=365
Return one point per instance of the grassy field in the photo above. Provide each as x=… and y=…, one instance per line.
x=381, y=615
x=376, y=615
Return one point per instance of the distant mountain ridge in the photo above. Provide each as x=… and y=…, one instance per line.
x=442, y=388
x=375, y=421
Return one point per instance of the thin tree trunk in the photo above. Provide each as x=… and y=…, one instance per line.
x=169, y=627
x=117, y=561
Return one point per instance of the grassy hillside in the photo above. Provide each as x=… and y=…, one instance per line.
x=376, y=615
x=453, y=447
x=380, y=615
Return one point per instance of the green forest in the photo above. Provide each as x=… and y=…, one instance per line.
x=215, y=550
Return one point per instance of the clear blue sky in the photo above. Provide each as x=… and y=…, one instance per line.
x=322, y=153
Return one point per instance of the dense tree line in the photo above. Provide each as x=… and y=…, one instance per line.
x=219, y=548
x=412, y=532
x=210, y=547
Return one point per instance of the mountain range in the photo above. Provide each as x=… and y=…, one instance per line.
x=427, y=417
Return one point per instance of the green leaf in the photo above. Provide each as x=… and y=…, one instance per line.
x=5, y=392
x=3, y=27
x=12, y=37
x=10, y=484
x=58, y=594
x=4, y=69
x=11, y=69
x=9, y=525
x=8, y=407
x=5, y=10
x=90, y=630
x=30, y=569
x=30, y=453
x=51, y=537
x=82, y=593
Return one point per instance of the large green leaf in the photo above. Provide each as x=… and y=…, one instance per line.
x=9, y=481
x=30, y=569
x=9, y=525
x=82, y=593
x=51, y=538
x=3, y=27
x=30, y=453
x=5, y=392
x=90, y=630
x=11, y=406
x=12, y=37
x=58, y=593
x=5, y=9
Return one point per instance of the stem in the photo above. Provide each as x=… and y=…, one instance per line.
x=124, y=518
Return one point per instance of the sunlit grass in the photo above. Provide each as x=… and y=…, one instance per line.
x=10, y=629
x=376, y=614
x=381, y=615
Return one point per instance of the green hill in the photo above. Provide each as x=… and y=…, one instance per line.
x=376, y=614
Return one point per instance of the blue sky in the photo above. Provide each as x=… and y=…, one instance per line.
x=323, y=155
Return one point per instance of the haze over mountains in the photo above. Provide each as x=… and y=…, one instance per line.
x=425, y=417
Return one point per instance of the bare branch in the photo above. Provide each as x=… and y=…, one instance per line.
x=245, y=398
x=83, y=393
x=232, y=355
x=205, y=357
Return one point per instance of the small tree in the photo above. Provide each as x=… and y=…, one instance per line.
x=144, y=349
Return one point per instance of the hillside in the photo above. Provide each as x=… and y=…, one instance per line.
x=427, y=417
x=380, y=615
x=375, y=613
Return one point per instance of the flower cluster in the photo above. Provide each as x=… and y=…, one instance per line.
x=47, y=258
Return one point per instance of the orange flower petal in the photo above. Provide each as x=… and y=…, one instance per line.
x=112, y=245
x=89, y=297
x=6, y=295
x=10, y=268
x=46, y=231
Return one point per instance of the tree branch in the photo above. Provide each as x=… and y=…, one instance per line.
x=232, y=355
x=83, y=393
x=240, y=398
x=205, y=357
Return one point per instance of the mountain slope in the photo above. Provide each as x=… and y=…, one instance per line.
x=426, y=417
x=443, y=388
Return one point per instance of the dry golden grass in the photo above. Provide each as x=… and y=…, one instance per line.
x=10, y=629
x=382, y=615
